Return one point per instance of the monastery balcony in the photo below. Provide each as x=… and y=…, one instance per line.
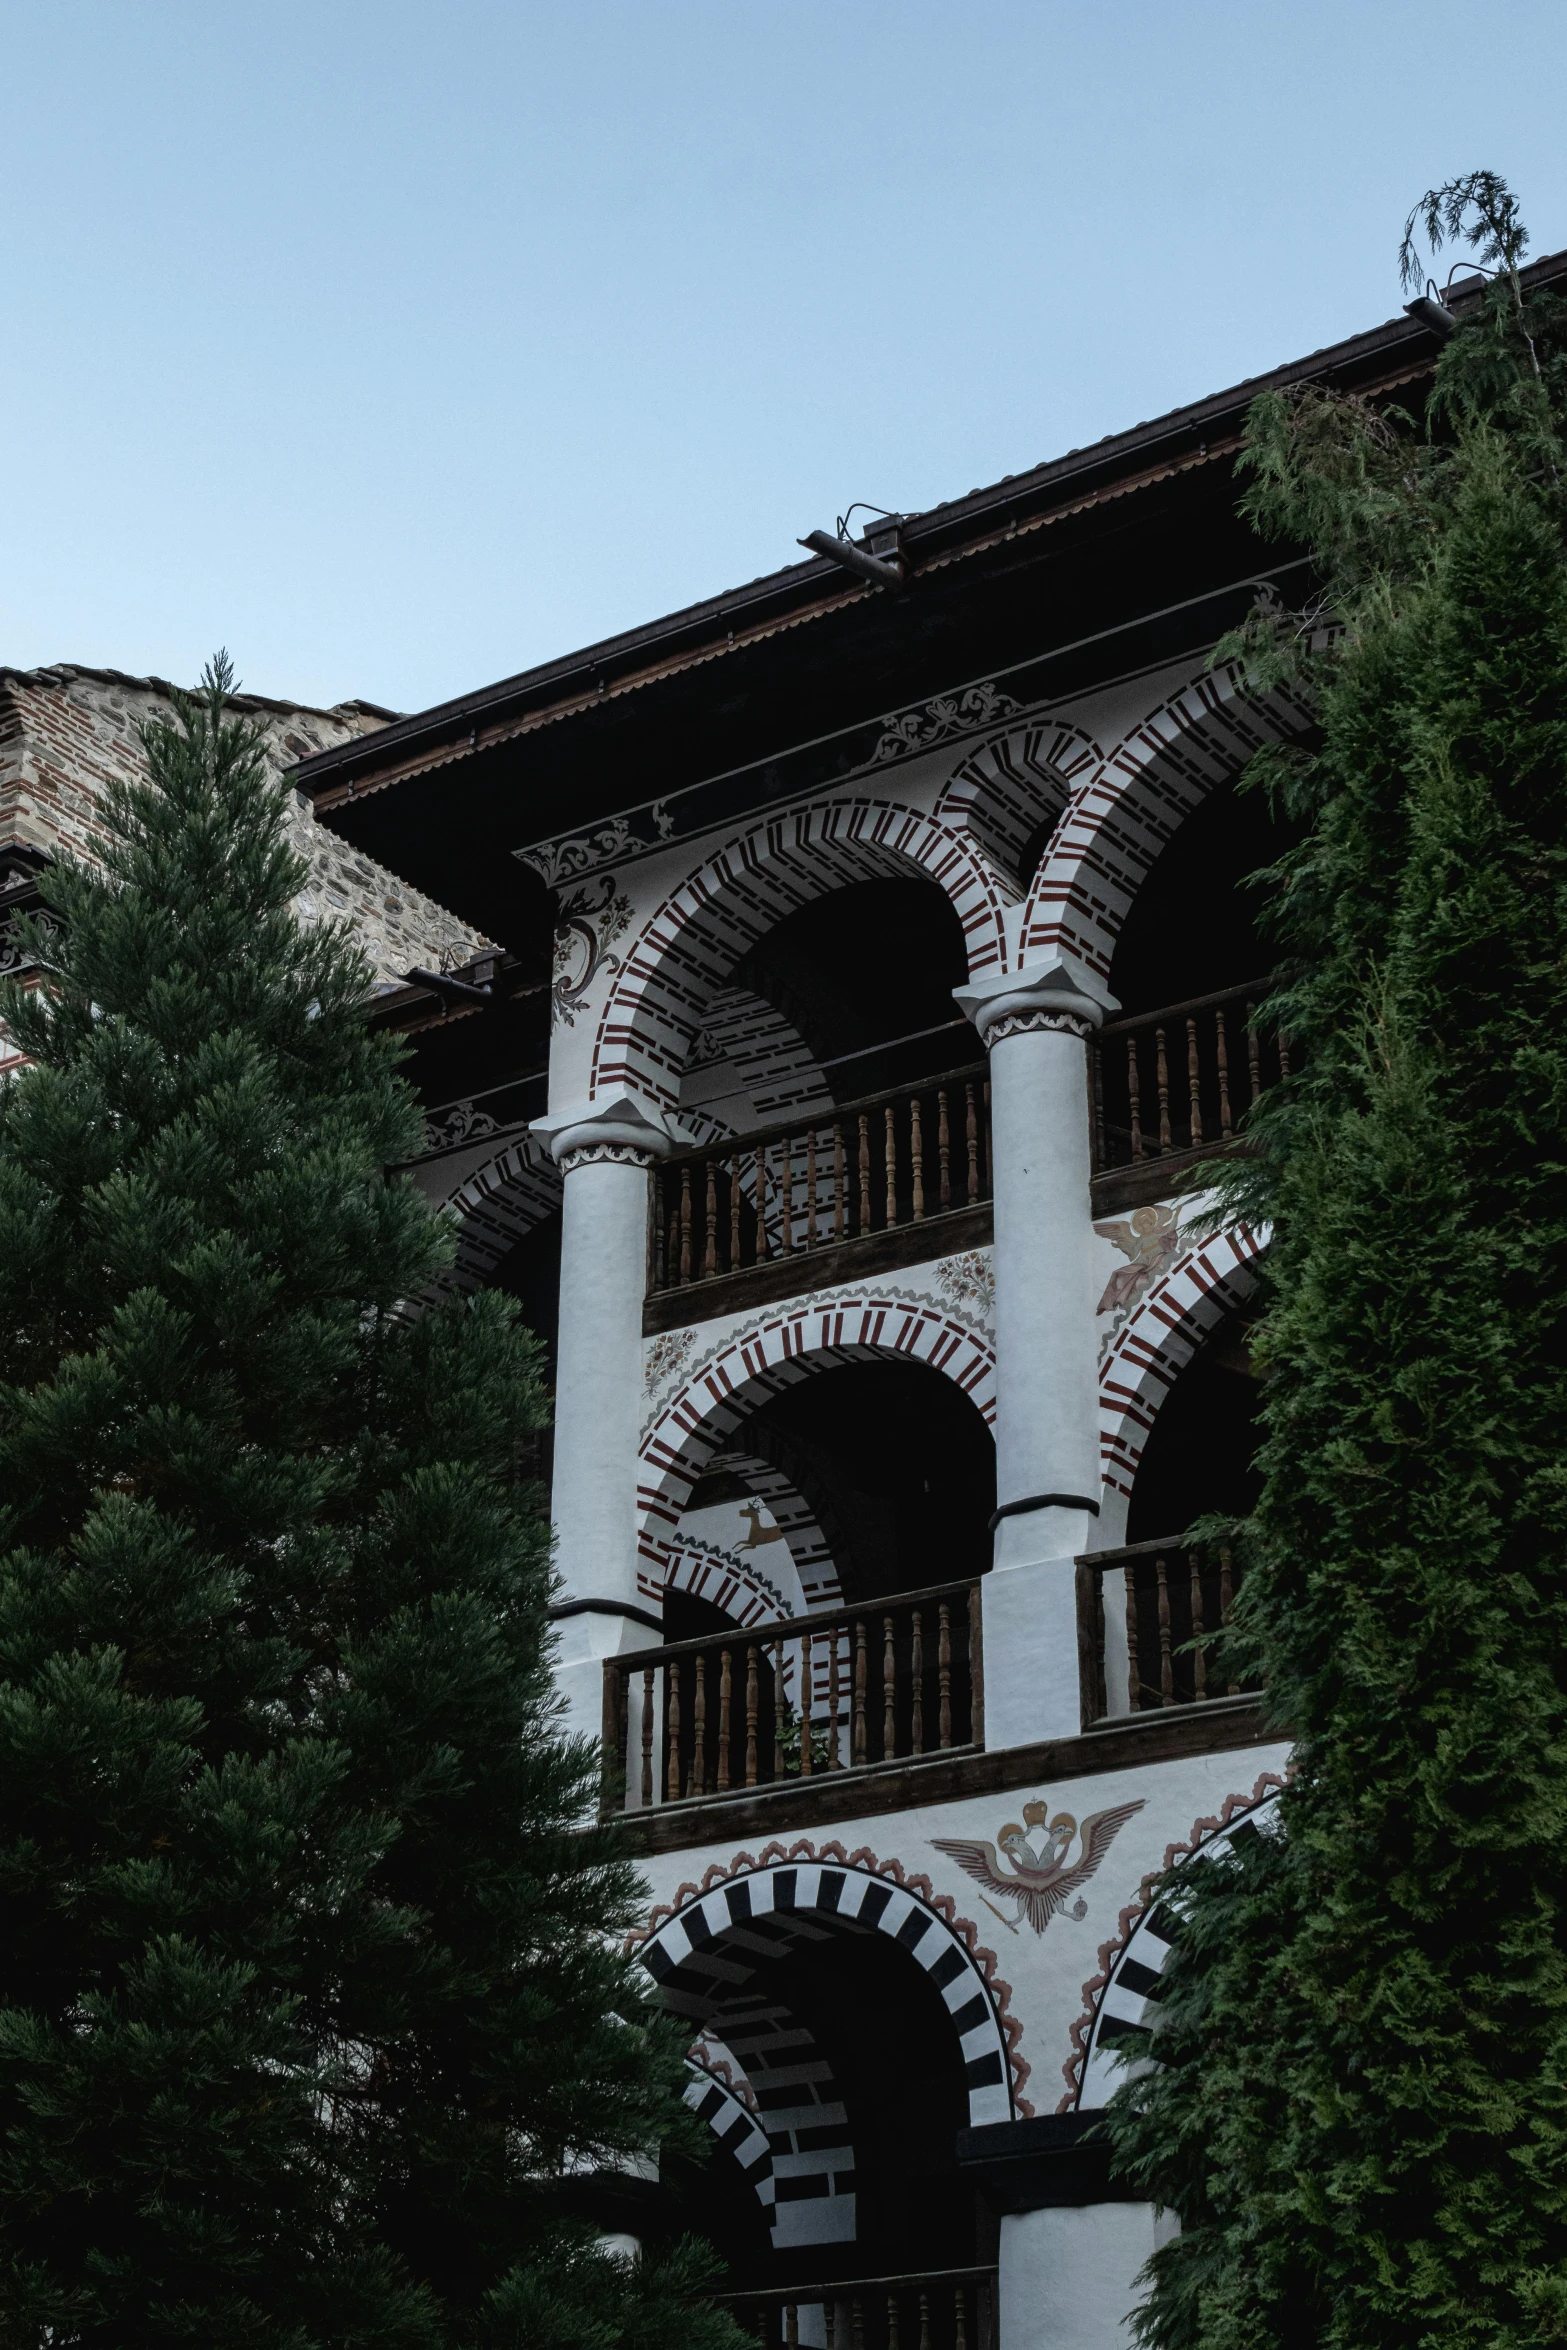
x=1145, y=1619
x=948, y=2309
x=901, y=1177
x=892, y=1179
x=841, y=1691
x=894, y=1692
x=1172, y=1086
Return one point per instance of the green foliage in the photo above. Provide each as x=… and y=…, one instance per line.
x=1361, y=2108
x=311, y=2008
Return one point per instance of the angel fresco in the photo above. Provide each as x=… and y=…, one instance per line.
x=1040, y=1878
x=1151, y=1240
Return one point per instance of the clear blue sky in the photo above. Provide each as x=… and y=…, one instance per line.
x=401, y=345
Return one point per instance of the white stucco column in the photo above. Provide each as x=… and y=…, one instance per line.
x=604, y=1149
x=1035, y=1025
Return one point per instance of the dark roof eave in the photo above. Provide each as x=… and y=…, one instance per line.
x=819, y=584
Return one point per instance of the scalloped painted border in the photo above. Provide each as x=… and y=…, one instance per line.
x=912, y=1881
x=1203, y=1832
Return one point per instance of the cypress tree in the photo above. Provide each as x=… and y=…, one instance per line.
x=1359, y=2108
x=311, y=1999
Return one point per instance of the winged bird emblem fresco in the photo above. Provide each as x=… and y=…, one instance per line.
x=1041, y=1879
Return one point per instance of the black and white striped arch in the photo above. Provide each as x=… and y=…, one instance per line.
x=1127, y=2015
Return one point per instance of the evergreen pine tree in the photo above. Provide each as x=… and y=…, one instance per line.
x=1360, y=2108
x=310, y=1989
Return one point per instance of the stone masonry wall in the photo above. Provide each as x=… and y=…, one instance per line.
x=65, y=732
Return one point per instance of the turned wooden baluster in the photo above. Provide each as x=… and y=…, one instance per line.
x=971, y=1136
x=837, y=1183
x=1134, y=1668
x=1133, y=1097
x=890, y=1166
x=944, y=1671
x=648, y=1686
x=1166, y=1661
x=660, y=1260
x=699, y=1726
x=810, y=1189
x=725, y=1692
x=778, y=1707
x=1253, y=1051
x=857, y=2325
x=786, y=1189
x=1222, y=1037
x=924, y=2341
x=710, y=1253
x=685, y=1223
x=763, y=1245
x=889, y=1694
x=944, y=1147
x=917, y=1157
x=892, y=2321
x=834, y=1758
x=672, y=1730
x=805, y=1705
x=1199, y=1663
x=857, y=1748
x=917, y=1689
x=865, y=1172
x=1226, y=1594
x=1162, y=1074
x=1194, y=1082
x=791, y=2318
x=752, y=1703
x=734, y=1215
x=1283, y=1044
x=959, y=2318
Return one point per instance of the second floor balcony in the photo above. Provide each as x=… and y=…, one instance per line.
x=902, y=1176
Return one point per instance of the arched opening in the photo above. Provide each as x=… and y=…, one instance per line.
x=861, y=969
x=1200, y=1456
x=904, y=1466
x=1196, y=924
x=851, y=2016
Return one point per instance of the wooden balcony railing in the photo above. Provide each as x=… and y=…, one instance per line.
x=842, y=1690
x=1182, y=1078
x=948, y=2309
x=1144, y=1615
x=869, y=1166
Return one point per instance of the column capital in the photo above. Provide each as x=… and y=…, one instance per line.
x=1060, y=994
x=619, y=1128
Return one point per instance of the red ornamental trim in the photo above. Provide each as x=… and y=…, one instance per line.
x=912, y=1881
x=1203, y=1832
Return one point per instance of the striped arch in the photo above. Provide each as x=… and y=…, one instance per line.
x=688, y=949
x=747, y=1039
x=1121, y=2003
x=810, y=1336
x=719, y=1958
x=734, y=2124
x=1125, y=812
x=1178, y=1312
x=1004, y=793
x=493, y=1205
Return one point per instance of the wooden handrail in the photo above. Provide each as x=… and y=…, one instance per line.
x=790, y=1627
x=1256, y=989
x=805, y=1119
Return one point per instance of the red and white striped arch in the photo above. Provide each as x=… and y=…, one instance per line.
x=795, y=1344
x=1124, y=813
x=687, y=951
x=1180, y=1310
x=1002, y=794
